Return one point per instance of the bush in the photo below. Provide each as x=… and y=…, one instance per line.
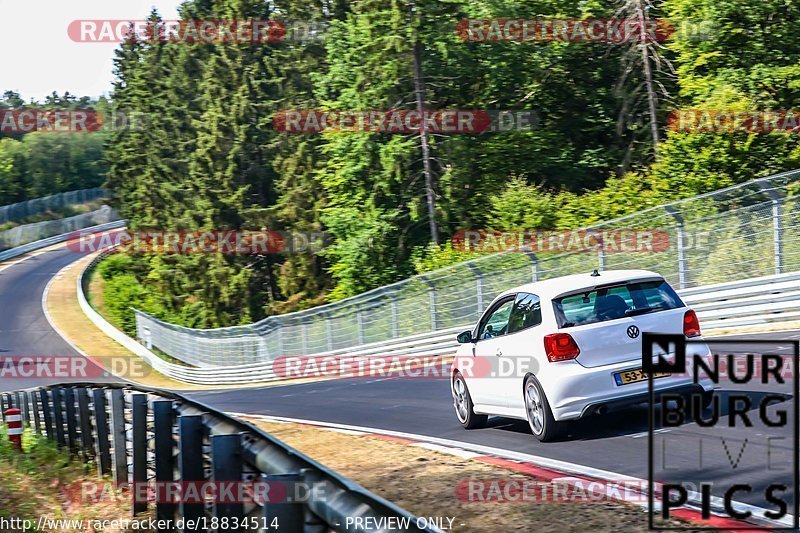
x=114, y=265
x=123, y=291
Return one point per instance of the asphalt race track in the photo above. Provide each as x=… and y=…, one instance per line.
x=615, y=442
x=24, y=329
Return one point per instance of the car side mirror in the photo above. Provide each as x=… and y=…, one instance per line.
x=464, y=337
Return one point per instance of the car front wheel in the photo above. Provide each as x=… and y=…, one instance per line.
x=462, y=401
x=540, y=416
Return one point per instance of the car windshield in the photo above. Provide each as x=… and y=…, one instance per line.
x=611, y=303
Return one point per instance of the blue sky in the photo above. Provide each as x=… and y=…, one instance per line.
x=38, y=57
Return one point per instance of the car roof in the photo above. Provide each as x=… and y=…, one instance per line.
x=551, y=288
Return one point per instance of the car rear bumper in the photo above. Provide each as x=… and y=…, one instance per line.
x=574, y=391
x=617, y=404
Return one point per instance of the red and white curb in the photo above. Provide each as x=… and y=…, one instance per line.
x=548, y=470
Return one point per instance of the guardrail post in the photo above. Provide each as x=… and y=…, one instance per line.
x=434, y=317
x=87, y=443
x=163, y=422
x=72, y=425
x=37, y=420
x=120, y=457
x=395, y=318
x=360, y=322
x=139, y=407
x=478, y=285
x=279, y=334
x=58, y=418
x=777, y=226
x=101, y=431
x=683, y=280
x=47, y=413
x=777, y=231
x=304, y=337
x=287, y=515
x=226, y=461
x=18, y=401
x=26, y=413
x=432, y=302
x=191, y=432
x=329, y=330
x=601, y=258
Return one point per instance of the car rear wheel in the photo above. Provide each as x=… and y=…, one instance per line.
x=462, y=401
x=540, y=416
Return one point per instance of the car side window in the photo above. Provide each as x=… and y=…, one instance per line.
x=525, y=313
x=497, y=323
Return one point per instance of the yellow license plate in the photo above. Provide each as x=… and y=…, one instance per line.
x=634, y=375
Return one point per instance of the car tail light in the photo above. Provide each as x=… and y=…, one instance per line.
x=691, y=326
x=560, y=347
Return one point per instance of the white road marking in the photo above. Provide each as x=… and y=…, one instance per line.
x=458, y=452
x=645, y=433
x=344, y=431
x=25, y=258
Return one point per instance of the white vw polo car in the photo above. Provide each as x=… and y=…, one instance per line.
x=569, y=347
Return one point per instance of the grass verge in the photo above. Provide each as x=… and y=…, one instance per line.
x=75, y=326
x=42, y=481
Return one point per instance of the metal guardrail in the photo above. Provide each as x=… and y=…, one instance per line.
x=744, y=231
x=144, y=436
x=753, y=301
x=89, y=227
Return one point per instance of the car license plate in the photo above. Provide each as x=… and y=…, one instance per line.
x=634, y=375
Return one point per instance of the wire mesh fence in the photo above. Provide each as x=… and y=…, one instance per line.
x=739, y=232
x=27, y=233
x=23, y=210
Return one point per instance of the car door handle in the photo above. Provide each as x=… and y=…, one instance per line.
x=498, y=353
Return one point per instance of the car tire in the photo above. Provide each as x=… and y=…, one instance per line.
x=462, y=401
x=540, y=417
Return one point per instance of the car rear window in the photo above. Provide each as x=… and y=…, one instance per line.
x=616, y=301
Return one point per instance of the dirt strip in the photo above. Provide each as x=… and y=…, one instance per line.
x=431, y=483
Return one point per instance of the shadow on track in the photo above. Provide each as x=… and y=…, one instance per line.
x=624, y=422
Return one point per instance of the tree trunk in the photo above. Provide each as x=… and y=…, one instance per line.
x=419, y=90
x=648, y=73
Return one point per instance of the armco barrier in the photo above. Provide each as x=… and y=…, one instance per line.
x=142, y=436
x=56, y=239
x=754, y=301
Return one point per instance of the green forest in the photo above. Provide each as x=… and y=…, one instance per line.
x=210, y=157
x=37, y=164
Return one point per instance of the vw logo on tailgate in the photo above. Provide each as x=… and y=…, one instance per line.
x=633, y=332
